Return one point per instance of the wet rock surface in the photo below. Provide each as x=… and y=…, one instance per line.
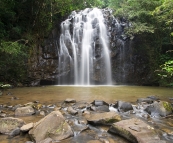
x=136, y=131
x=123, y=106
x=27, y=127
x=24, y=111
x=106, y=118
x=8, y=124
x=161, y=108
x=81, y=121
x=53, y=126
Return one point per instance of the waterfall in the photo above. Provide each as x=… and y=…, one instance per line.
x=84, y=54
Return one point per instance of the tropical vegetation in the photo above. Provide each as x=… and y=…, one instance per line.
x=24, y=24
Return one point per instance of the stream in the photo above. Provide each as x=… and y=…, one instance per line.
x=55, y=94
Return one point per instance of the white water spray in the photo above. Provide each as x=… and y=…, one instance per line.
x=84, y=48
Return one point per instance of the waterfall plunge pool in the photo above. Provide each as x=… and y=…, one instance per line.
x=48, y=95
x=53, y=94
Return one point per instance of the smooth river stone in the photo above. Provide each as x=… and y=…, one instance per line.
x=136, y=131
x=105, y=118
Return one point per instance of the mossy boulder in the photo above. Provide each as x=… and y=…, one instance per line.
x=51, y=126
x=161, y=108
x=7, y=125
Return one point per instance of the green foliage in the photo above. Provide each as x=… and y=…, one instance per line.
x=5, y=86
x=138, y=12
x=13, y=59
x=166, y=73
x=25, y=24
x=152, y=21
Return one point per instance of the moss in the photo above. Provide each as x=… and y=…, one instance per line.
x=112, y=120
x=124, y=133
x=167, y=106
x=60, y=127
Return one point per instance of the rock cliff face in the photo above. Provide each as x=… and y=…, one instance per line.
x=128, y=64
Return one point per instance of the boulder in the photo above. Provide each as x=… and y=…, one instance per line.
x=136, y=131
x=69, y=100
x=103, y=108
x=51, y=126
x=123, y=106
x=14, y=132
x=78, y=125
x=24, y=111
x=99, y=103
x=153, y=97
x=147, y=100
x=105, y=118
x=7, y=125
x=27, y=127
x=71, y=111
x=161, y=108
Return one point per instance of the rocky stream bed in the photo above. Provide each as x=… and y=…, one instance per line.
x=148, y=120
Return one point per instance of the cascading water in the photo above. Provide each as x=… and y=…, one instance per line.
x=84, y=49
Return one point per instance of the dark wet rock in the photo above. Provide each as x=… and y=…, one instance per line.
x=153, y=97
x=71, y=111
x=27, y=127
x=53, y=126
x=99, y=103
x=103, y=108
x=47, y=140
x=14, y=132
x=161, y=108
x=147, y=100
x=123, y=106
x=99, y=106
x=136, y=131
x=77, y=126
x=7, y=125
x=81, y=105
x=105, y=118
x=24, y=111
x=16, y=106
x=69, y=100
